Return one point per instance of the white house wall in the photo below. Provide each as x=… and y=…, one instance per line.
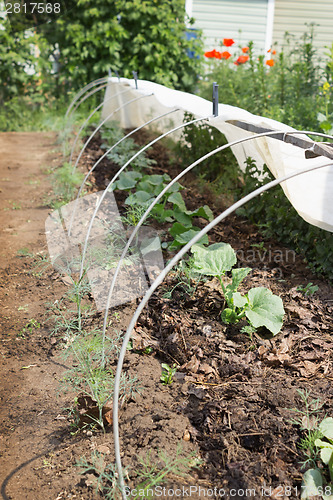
x=242, y=20
x=292, y=16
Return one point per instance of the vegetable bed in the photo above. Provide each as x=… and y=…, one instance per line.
x=228, y=393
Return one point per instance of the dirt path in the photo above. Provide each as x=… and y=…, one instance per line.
x=28, y=431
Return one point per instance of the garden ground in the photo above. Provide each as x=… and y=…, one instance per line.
x=232, y=397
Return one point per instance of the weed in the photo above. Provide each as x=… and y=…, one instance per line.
x=260, y=246
x=89, y=378
x=41, y=264
x=187, y=279
x=30, y=326
x=64, y=185
x=150, y=473
x=309, y=289
x=103, y=476
x=153, y=472
x=308, y=421
x=248, y=330
x=16, y=206
x=24, y=252
x=168, y=373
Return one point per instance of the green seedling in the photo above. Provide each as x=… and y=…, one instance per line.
x=248, y=330
x=308, y=420
x=314, y=480
x=168, y=373
x=24, y=252
x=260, y=246
x=309, y=289
x=29, y=327
x=259, y=305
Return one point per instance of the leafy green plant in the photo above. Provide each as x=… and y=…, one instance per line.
x=171, y=207
x=258, y=305
x=168, y=373
x=309, y=289
x=318, y=480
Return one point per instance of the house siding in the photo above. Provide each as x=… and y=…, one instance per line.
x=243, y=20
x=293, y=15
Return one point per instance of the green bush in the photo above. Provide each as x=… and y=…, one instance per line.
x=145, y=36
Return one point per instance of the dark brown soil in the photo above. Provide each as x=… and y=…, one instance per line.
x=232, y=398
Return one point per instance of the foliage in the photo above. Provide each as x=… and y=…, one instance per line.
x=259, y=305
x=88, y=377
x=199, y=139
x=308, y=419
x=124, y=151
x=16, y=55
x=150, y=472
x=278, y=219
x=29, y=327
x=144, y=36
x=314, y=480
x=286, y=84
x=309, y=289
x=168, y=373
x=171, y=207
x=65, y=184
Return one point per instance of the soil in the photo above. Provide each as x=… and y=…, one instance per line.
x=231, y=400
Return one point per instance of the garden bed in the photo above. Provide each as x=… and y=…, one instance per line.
x=230, y=405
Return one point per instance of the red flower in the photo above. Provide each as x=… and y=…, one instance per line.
x=242, y=60
x=225, y=55
x=213, y=54
x=273, y=51
x=245, y=49
x=228, y=42
x=270, y=62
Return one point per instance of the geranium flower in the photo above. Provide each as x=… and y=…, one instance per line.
x=270, y=62
x=241, y=60
x=273, y=51
x=245, y=49
x=225, y=55
x=228, y=42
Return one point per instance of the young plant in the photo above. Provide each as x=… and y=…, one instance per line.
x=308, y=421
x=309, y=289
x=93, y=382
x=259, y=305
x=29, y=327
x=318, y=481
x=168, y=373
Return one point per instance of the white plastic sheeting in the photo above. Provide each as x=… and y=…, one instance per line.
x=311, y=194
